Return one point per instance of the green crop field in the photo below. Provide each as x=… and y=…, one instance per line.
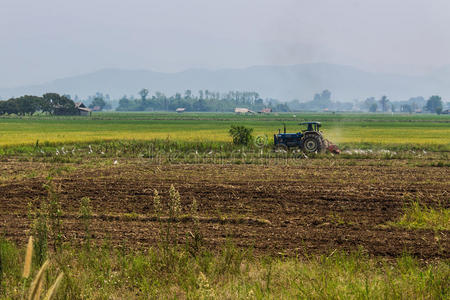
x=355, y=130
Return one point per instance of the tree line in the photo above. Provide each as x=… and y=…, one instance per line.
x=434, y=104
x=205, y=101
x=50, y=103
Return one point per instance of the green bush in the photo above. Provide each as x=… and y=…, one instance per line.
x=241, y=135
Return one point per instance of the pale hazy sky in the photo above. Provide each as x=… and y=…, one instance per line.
x=41, y=40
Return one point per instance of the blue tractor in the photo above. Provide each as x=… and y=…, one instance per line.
x=309, y=140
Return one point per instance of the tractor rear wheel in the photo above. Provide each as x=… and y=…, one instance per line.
x=313, y=143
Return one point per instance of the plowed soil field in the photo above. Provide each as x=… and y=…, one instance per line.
x=314, y=207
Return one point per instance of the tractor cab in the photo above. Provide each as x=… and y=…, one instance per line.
x=311, y=126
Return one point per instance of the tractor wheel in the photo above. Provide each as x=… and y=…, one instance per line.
x=313, y=143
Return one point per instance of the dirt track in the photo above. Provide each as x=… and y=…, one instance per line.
x=314, y=207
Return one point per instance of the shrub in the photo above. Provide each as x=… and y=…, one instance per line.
x=241, y=135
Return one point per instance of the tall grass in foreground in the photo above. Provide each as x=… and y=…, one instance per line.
x=104, y=272
x=24, y=287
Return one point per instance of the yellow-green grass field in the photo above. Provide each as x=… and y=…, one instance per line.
x=427, y=131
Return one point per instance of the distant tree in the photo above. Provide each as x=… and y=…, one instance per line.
x=322, y=100
x=393, y=109
x=434, y=104
x=162, y=102
x=373, y=107
x=51, y=103
x=28, y=104
x=9, y=107
x=326, y=95
x=46, y=105
x=124, y=104
x=384, y=102
x=98, y=101
x=368, y=103
x=406, y=108
x=200, y=105
x=417, y=102
x=143, y=93
x=187, y=94
x=282, y=107
x=59, y=105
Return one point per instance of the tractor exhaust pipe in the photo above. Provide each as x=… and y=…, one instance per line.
x=284, y=124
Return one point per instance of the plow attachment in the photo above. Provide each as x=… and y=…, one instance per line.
x=332, y=148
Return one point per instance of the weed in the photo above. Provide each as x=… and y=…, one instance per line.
x=157, y=205
x=86, y=216
x=54, y=215
x=194, y=240
x=169, y=237
x=420, y=216
x=46, y=222
x=205, y=290
x=174, y=203
x=40, y=231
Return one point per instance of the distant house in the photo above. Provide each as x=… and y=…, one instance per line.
x=180, y=109
x=97, y=108
x=265, y=111
x=240, y=110
x=82, y=109
x=446, y=112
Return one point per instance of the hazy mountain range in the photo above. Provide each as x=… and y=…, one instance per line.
x=281, y=82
